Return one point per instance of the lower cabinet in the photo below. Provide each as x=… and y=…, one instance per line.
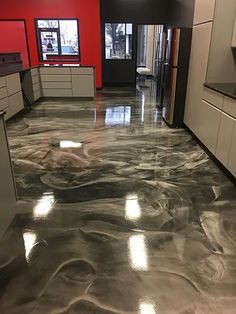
x=15, y=103
x=225, y=138
x=7, y=184
x=83, y=85
x=209, y=122
x=232, y=153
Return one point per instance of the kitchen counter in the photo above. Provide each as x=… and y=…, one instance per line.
x=45, y=65
x=227, y=89
x=66, y=65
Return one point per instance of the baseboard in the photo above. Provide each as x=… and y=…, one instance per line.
x=229, y=175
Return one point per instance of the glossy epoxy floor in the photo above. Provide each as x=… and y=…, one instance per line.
x=123, y=214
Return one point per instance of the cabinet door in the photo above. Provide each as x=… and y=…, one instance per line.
x=13, y=83
x=232, y=154
x=83, y=85
x=197, y=73
x=204, y=11
x=7, y=185
x=224, y=139
x=16, y=104
x=209, y=122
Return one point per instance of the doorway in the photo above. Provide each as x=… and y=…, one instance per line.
x=14, y=39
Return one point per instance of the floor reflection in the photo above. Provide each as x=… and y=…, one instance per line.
x=132, y=207
x=138, y=252
x=30, y=240
x=44, y=206
x=147, y=308
x=126, y=215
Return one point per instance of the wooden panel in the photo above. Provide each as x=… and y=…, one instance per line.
x=214, y=98
x=204, y=11
x=55, y=71
x=224, y=138
x=13, y=83
x=83, y=85
x=82, y=71
x=3, y=92
x=2, y=82
x=197, y=73
x=229, y=106
x=55, y=78
x=57, y=92
x=59, y=85
x=16, y=104
x=232, y=154
x=36, y=87
x=35, y=79
x=3, y=103
x=209, y=122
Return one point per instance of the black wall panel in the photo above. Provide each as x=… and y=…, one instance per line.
x=176, y=13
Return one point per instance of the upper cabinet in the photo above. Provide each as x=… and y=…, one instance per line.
x=234, y=35
x=204, y=11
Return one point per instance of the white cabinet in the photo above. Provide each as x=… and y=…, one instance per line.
x=16, y=104
x=67, y=81
x=204, y=11
x=15, y=98
x=55, y=70
x=13, y=83
x=2, y=82
x=234, y=35
x=197, y=72
x=209, y=122
x=225, y=139
x=232, y=154
x=229, y=106
x=36, y=84
x=83, y=85
x=213, y=97
x=3, y=104
x=7, y=184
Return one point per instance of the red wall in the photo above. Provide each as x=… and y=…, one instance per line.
x=14, y=39
x=87, y=11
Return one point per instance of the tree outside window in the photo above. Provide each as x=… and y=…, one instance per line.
x=118, y=41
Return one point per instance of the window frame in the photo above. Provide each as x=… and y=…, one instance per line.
x=132, y=45
x=60, y=56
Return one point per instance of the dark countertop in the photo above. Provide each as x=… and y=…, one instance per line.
x=227, y=89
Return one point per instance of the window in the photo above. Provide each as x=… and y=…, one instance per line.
x=118, y=41
x=57, y=38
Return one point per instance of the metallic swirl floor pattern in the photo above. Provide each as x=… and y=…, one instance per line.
x=126, y=215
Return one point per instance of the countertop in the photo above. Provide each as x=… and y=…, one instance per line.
x=48, y=65
x=227, y=89
x=66, y=65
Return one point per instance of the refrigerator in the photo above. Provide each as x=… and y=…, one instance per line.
x=159, y=67
x=174, y=75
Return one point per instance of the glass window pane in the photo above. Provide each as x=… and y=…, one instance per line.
x=118, y=41
x=69, y=36
x=49, y=43
x=129, y=34
x=48, y=23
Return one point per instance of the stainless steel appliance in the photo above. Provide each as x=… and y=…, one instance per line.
x=174, y=75
x=159, y=67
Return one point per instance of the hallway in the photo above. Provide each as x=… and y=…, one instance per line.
x=128, y=216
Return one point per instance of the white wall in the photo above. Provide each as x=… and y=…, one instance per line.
x=222, y=60
x=150, y=47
